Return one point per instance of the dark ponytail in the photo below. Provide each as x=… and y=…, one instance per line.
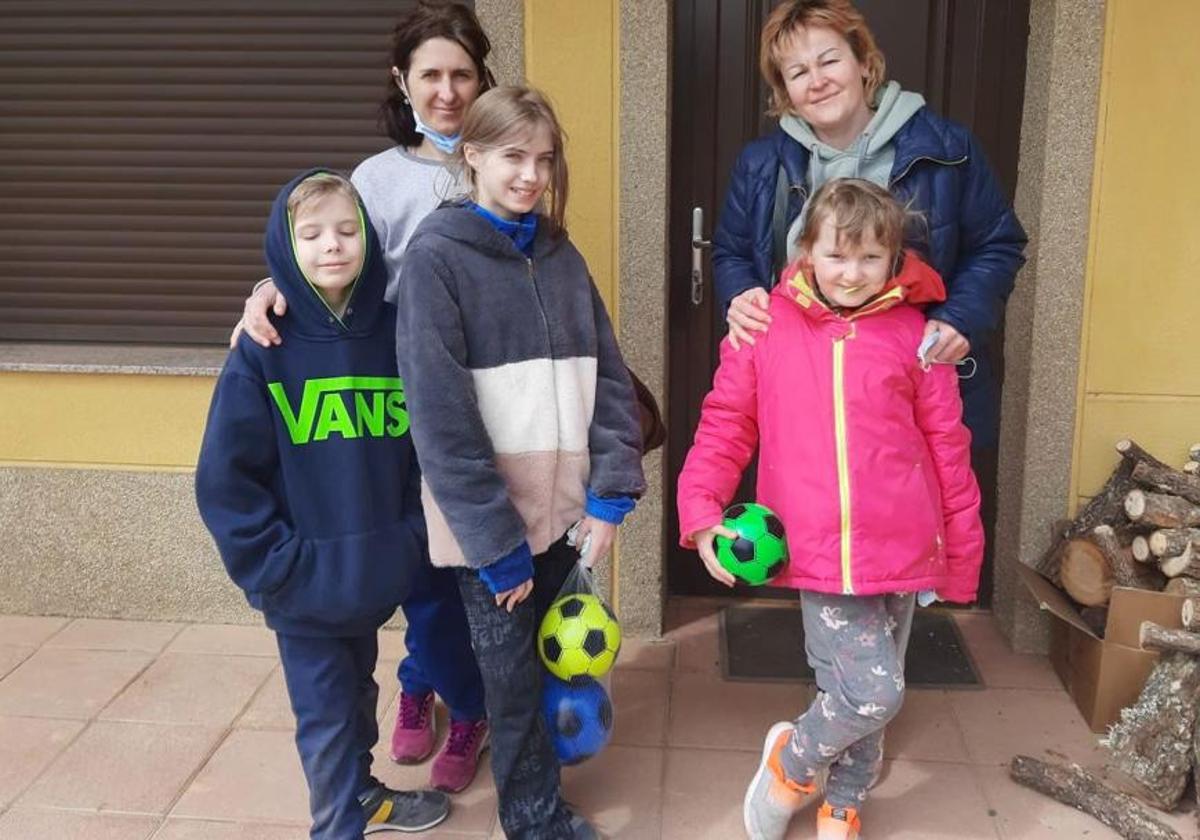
x=429, y=19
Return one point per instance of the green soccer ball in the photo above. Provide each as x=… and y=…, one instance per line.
x=579, y=638
x=760, y=551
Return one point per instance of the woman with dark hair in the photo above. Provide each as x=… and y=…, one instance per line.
x=437, y=70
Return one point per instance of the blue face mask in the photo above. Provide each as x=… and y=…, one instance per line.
x=447, y=144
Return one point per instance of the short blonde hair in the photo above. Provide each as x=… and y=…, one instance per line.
x=855, y=206
x=317, y=186
x=838, y=15
x=502, y=112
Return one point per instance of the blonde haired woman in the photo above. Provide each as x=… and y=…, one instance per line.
x=839, y=117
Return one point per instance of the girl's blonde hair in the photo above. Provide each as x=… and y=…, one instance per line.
x=316, y=187
x=855, y=206
x=500, y=114
x=839, y=15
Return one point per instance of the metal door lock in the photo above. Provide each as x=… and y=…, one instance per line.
x=699, y=244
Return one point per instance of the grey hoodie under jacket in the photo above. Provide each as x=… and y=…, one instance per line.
x=869, y=157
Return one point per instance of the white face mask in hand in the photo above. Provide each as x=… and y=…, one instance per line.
x=584, y=548
x=931, y=340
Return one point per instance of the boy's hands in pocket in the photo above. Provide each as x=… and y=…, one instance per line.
x=704, y=544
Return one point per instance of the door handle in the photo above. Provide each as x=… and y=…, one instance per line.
x=699, y=244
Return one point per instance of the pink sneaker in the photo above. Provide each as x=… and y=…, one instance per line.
x=455, y=765
x=413, y=737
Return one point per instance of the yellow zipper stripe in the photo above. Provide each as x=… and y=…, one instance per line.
x=882, y=302
x=843, y=461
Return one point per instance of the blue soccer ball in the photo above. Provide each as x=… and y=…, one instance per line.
x=578, y=717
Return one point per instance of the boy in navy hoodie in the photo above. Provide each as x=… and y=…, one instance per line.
x=308, y=481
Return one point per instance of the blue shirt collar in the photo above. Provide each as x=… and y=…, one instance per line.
x=522, y=231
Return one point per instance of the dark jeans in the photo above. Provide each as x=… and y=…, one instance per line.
x=332, y=689
x=524, y=765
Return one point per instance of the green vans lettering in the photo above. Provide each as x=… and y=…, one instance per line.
x=349, y=406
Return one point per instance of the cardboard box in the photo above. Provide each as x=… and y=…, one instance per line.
x=1102, y=675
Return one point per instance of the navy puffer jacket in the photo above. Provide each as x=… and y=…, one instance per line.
x=972, y=237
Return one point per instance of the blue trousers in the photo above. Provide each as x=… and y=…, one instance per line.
x=333, y=693
x=438, y=639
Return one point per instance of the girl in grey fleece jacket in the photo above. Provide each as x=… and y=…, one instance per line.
x=524, y=419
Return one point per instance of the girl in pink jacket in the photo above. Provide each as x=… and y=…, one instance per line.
x=864, y=457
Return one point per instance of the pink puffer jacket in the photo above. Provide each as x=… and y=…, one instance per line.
x=863, y=454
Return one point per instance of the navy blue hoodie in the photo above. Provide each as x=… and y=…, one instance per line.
x=307, y=477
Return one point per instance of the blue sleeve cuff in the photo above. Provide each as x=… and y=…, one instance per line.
x=612, y=510
x=510, y=571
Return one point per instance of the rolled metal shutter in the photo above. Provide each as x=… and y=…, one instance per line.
x=141, y=144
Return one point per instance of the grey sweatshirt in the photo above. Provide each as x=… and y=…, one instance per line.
x=869, y=157
x=399, y=189
x=519, y=398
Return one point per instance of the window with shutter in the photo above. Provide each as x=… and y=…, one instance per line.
x=141, y=142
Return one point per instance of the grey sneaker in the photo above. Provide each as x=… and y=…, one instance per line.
x=771, y=801
x=403, y=810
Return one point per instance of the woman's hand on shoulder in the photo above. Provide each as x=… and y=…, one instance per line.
x=264, y=299
x=704, y=544
x=951, y=346
x=748, y=315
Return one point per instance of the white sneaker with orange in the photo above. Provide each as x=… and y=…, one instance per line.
x=837, y=823
x=773, y=799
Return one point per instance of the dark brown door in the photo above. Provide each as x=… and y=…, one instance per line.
x=967, y=57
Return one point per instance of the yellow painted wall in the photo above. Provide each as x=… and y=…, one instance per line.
x=571, y=54
x=1140, y=371
x=101, y=420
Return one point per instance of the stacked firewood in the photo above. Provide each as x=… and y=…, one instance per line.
x=1153, y=750
x=1141, y=530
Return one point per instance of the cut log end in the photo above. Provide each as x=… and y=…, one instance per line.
x=1135, y=504
x=1189, y=613
x=1086, y=573
x=1141, y=550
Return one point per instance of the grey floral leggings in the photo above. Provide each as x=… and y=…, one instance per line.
x=856, y=646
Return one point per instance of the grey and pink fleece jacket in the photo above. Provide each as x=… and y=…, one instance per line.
x=523, y=410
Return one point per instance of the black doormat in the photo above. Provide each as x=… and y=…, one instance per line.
x=766, y=644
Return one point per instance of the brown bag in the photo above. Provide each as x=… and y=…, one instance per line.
x=654, y=431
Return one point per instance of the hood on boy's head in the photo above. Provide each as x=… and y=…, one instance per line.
x=306, y=308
